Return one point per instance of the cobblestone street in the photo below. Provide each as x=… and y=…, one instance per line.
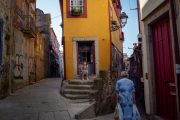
x=41, y=101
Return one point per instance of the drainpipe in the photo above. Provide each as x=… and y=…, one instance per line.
x=177, y=56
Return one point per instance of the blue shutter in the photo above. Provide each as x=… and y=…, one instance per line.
x=1, y=39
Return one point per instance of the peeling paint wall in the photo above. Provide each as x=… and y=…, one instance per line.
x=4, y=47
x=22, y=44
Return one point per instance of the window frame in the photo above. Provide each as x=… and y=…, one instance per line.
x=84, y=9
x=76, y=5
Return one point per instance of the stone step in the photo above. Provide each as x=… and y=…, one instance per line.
x=81, y=82
x=75, y=97
x=75, y=91
x=91, y=77
x=79, y=87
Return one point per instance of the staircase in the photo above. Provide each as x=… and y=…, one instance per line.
x=79, y=89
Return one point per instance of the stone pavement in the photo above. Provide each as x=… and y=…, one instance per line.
x=40, y=101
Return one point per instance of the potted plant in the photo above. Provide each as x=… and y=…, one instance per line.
x=114, y=22
x=114, y=25
x=77, y=11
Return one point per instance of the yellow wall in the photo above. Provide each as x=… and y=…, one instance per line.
x=95, y=25
x=115, y=35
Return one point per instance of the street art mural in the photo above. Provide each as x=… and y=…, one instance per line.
x=18, y=67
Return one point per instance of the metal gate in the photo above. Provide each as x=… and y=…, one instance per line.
x=164, y=70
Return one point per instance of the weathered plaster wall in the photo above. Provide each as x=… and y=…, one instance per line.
x=24, y=62
x=5, y=31
x=5, y=16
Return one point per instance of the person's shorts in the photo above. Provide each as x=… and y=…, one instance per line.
x=85, y=71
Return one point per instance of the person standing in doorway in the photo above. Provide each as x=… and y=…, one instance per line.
x=85, y=71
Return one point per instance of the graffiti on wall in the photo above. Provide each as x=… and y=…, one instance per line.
x=18, y=67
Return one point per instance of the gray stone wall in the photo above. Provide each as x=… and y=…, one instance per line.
x=4, y=67
x=106, y=97
x=5, y=16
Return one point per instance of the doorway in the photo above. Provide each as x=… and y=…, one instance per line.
x=86, y=52
x=164, y=70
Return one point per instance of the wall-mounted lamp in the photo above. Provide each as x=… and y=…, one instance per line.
x=124, y=18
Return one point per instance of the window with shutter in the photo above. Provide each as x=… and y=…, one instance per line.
x=1, y=39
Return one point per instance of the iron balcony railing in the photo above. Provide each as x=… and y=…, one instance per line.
x=31, y=1
x=19, y=11
x=29, y=25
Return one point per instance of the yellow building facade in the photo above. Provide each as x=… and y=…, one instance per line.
x=88, y=34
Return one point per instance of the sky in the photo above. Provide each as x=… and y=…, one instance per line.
x=130, y=30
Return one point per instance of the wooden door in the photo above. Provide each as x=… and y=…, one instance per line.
x=164, y=70
x=86, y=52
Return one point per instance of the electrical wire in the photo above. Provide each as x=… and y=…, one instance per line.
x=135, y=8
x=56, y=17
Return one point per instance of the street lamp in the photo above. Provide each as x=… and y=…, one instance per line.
x=124, y=18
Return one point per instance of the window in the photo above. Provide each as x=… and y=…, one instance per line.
x=76, y=8
x=76, y=4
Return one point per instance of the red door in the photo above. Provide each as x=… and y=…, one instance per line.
x=164, y=71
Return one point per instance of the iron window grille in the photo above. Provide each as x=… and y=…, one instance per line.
x=76, y=7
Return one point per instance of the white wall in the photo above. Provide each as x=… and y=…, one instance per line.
x=144, y=60
x=147, y=6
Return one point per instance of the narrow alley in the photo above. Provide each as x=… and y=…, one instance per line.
x=89, y=60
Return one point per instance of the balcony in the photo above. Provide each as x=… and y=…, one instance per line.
x=19, y=12
x=18, y=18
x=29, y=26
x=31, y=1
